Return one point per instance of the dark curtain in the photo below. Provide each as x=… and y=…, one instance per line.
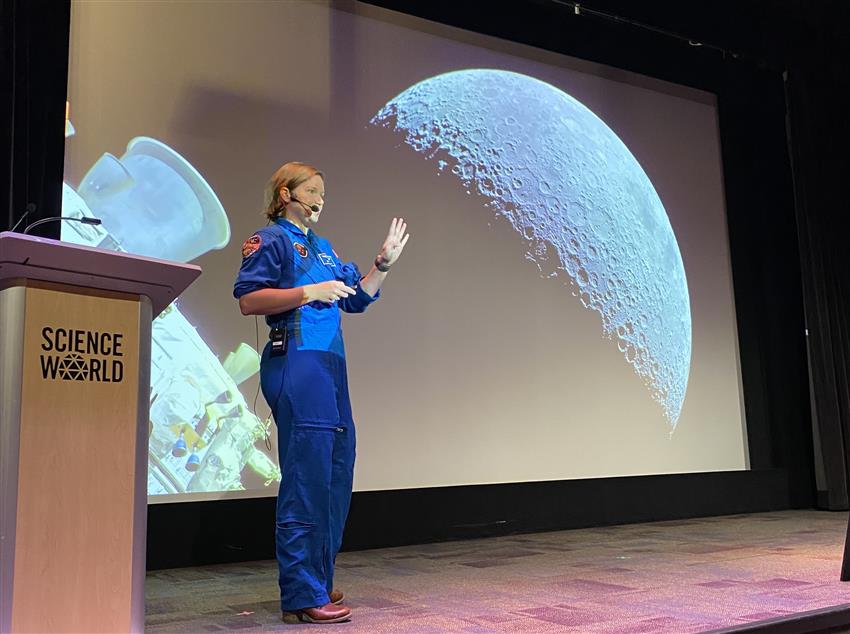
x=818, y=137
x=766, y=273
x=34, y=41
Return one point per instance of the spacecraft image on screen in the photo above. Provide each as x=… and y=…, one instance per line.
x=566, y=183
x=152, y=202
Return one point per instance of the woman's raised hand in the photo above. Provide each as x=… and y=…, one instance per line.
x=394, y=244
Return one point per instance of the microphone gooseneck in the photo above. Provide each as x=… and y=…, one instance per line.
x=86, y=220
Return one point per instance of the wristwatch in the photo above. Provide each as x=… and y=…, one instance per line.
x=380, y=264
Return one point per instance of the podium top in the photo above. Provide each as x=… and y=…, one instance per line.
x=43, y=259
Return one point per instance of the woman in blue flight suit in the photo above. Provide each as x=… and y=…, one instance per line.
x=294, y=278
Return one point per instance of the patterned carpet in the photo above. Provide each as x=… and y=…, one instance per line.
x=683, y=576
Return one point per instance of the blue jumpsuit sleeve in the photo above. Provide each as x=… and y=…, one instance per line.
x=350, y=275
x=266, y=263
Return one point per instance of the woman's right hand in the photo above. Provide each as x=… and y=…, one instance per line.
x=327, y=292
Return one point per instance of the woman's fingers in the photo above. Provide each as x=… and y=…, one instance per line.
x=336, y=290
x=343, y=291
x=399, y=229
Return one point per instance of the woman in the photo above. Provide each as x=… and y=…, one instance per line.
x=294, y=278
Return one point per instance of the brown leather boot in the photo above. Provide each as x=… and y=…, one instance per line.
x=328, y=613
x=336, y=596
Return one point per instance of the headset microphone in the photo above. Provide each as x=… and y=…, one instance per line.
x=314, y=208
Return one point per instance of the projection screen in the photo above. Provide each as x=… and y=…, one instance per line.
x=564, y=307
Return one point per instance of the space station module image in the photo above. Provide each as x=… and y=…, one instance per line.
x=203, y=435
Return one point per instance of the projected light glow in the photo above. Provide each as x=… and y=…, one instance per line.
x=612, y=353
x=566, y=182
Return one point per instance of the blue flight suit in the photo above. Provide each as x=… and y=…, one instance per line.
x=307, y=389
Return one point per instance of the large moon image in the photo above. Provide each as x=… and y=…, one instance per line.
x=571, y=188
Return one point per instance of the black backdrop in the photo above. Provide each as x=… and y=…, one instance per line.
x=776, y=68
x=34, y=44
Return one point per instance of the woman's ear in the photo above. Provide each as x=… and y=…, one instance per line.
x=284, y=195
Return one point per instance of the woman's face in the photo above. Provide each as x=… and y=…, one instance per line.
x=310, y=192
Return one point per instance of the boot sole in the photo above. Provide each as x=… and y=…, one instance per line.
x=293, y=618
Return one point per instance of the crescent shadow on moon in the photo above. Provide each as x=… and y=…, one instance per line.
x=567, y=184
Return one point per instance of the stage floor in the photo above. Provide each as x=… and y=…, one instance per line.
x=680, y=576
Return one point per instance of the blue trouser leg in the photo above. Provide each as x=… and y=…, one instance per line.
x=343, y=466
x=316, y=452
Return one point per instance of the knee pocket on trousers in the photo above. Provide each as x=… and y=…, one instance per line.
x=308, y=471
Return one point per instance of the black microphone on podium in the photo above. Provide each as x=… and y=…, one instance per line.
x=31, y=207
x=86, y=220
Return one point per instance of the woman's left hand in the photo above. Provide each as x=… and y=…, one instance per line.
x=394, y=244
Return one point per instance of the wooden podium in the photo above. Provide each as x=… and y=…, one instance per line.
x=75, y=337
